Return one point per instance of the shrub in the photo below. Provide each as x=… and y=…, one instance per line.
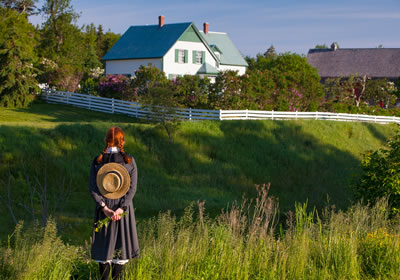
x=381, y=175
x=117, y=86
x=192, y=91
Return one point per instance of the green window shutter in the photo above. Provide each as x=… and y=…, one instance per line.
x=176, y=55
x=194, y=57
x=186, y=56
x=169, y=76
x=203, y=57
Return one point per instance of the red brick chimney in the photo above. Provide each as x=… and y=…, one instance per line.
x=161, y=20
x=205, y=28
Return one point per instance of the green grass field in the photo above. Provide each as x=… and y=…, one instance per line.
x=211, y=161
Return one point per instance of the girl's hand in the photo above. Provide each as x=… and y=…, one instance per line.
x=108, y=212
x=117, y=214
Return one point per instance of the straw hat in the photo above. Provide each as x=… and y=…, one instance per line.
x=113, y=180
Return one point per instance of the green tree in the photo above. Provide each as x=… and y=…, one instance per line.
x=324, y=46
x=63, y=44
x=147, y=77
x=26, y=7
x=297, y=82
x=226, y=93
x=162, y=105
x=381, y=175
x=17, y=57
x=271, y=53
x=192, y=91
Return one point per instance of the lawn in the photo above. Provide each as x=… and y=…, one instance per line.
x=212, y=161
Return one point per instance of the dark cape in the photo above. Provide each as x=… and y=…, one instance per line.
x=119, y=239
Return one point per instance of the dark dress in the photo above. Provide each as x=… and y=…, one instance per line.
x=119, y=239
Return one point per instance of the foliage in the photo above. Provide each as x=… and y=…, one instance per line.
x=241, y=243
x=21, y=6
x=356, y=90
x=147, y=77
x=323, y=46
x=60, y=39
x=226, y=93
x=192, y=91
x=104, y=223
x=271, y=53
x=17, y=57
x=381, y=175
x=118, y=87
x=163, y=105
x=363, y=109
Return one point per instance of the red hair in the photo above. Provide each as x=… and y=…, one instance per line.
x=115, y=138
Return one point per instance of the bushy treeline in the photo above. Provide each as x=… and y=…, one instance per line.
x=289, y=83
x=284, y=82
x=59, y=53
x=242, y=243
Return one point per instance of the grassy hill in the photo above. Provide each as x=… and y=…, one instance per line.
x=53, y=145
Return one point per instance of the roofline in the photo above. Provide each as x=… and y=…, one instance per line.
x=201, y=39
x=234, y=64
x=188, y=22
x=329, y=49
x=215, y=32
x=368, y=76
x=160, y=57
x=205, y=43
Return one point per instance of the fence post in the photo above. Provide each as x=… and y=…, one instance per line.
x=67, y=98
x=220, y=114
x=316, y=115
x=136, y=111
x=112, y=105
x=357, y=117
x=190, y=114
x=247, y=114
x=272, y=115
x=90, y=102
x=296, y=114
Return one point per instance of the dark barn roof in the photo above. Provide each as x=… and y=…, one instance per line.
x=375, y=63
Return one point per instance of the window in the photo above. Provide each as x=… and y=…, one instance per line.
x=198, y=57
x=181, y=56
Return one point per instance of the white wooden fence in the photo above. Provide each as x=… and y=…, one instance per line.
x=111, y=105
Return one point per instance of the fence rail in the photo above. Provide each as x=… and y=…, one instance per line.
x=133, y=109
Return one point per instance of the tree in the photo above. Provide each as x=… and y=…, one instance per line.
x=62, y=43
x=297, y=82
x=381, y=175
x=226, y=93
x=26, y=7
x=162, y=105
x=192, y=91
x=147, y=77
x=324, y=46
x=17, y=57
x=271, y=53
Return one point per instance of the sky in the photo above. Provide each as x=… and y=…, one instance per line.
x=254, y=25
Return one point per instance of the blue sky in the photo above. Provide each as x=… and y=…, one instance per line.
x=254, y=25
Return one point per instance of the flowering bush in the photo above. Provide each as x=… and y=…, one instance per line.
x=117, y=86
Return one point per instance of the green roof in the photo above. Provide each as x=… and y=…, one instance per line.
x=146, y=41
x=230, y=55
x=207, y=69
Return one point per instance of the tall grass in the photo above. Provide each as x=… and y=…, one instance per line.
x=244, y=242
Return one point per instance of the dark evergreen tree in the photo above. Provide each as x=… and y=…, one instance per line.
x=17, y=57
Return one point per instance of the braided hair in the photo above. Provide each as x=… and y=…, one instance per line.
x=115, y=138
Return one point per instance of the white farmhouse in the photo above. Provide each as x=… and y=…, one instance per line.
x=176, y=49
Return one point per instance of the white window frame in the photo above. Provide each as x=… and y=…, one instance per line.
x=181, y=56
x=199, y=57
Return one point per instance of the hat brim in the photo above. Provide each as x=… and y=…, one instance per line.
x=126, y=180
